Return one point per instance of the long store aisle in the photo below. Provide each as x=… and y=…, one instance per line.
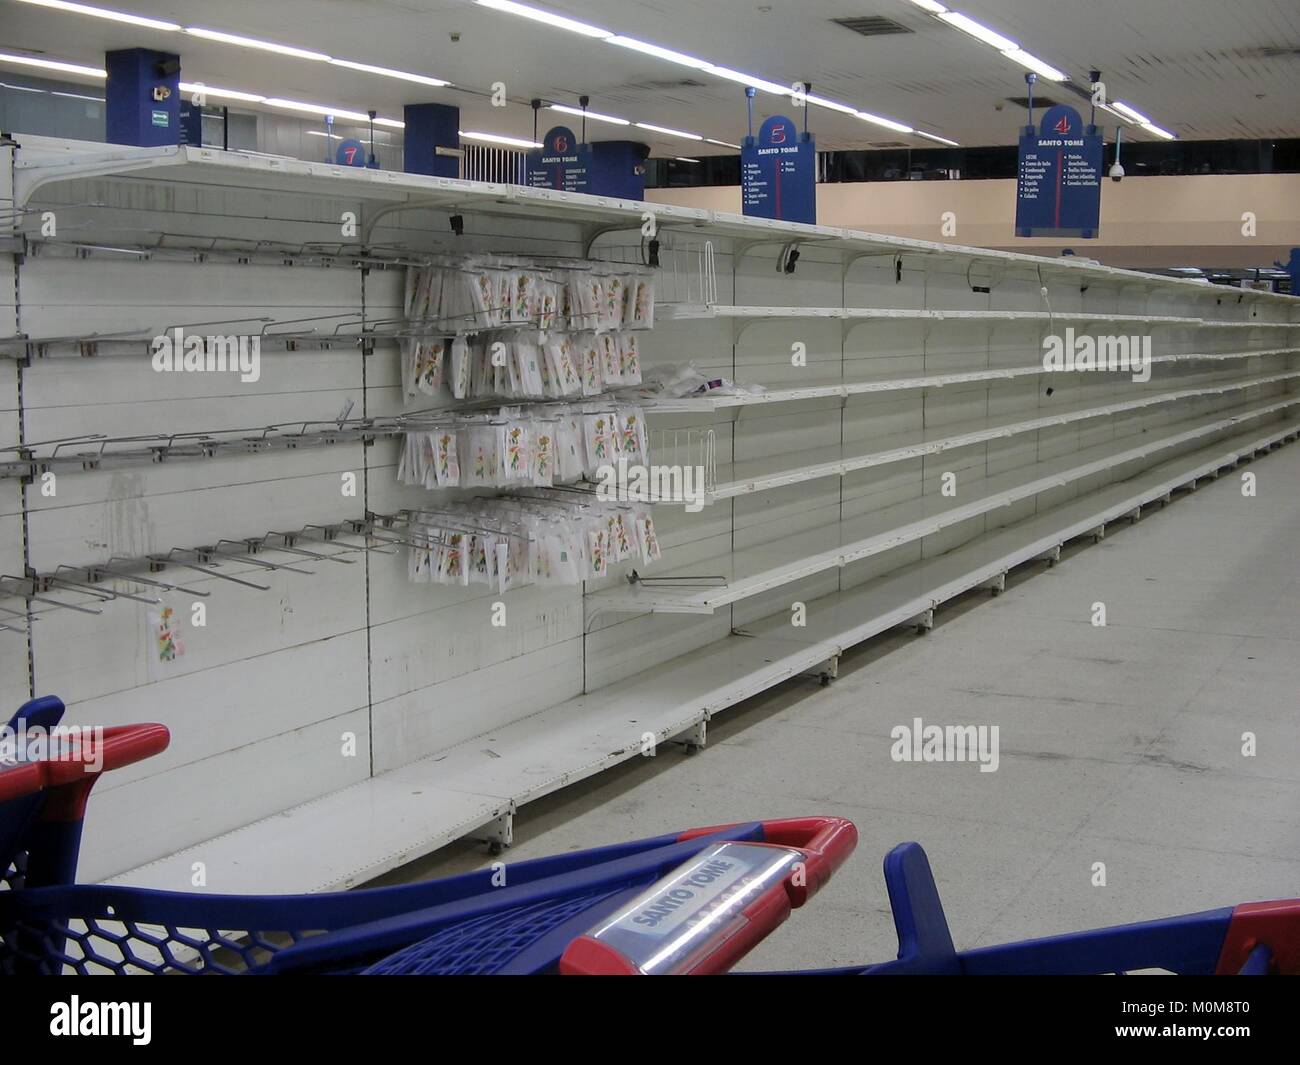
x=1119, y=744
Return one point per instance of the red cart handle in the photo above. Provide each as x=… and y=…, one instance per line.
x=70, y=777
x=827, y=842
x=679, y=925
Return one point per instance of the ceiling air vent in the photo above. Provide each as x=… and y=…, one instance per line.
x=675, y=83
x=872, y=25
x=889, y=144
x=1039, y=101
x=1271, y=51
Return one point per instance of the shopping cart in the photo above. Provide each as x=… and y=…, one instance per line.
x=740, y=881
x=694, y=901
x=1254, y=939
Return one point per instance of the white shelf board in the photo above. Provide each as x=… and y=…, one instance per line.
x=365, y=830
x=696, y=404
x=753, y=571
x=694, y=312
x=760, y=475
x=44, y=160
x=843, y=389
x=1250, y=323
x=332, y=843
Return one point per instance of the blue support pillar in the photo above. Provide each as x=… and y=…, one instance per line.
x=143, y=97
x=614, y=169
x=428, y=128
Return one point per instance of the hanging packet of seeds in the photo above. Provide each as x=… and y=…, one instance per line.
x=569, y=375
x=446, y=460
x=649, y=542
x=630, y=358
x=611, y=362
x=597, y=542
x=611, y=311
x=543, y=455
x=592, y=381
x=517, y=465
x=598, y=436
x=458, y=376
x=429, y=363
x=571, y=450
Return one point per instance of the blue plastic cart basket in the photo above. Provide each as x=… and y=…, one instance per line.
x=465, y=924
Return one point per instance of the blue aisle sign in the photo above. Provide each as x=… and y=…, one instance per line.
x=191, y=124
x=561, y=163
x=1058, y=190
x=778, y=173
x=351, y=152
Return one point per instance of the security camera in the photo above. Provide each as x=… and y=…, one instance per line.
x=1116, y=172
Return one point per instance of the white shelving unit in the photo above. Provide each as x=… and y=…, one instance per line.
x=755, y=570
x=765, y=474
x=475, y=787
x=922, y=360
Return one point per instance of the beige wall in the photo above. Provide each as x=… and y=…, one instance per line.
x=1149, y=221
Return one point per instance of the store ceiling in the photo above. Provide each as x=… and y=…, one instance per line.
x=1204, y=70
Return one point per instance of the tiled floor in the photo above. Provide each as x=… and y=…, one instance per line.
x=1119, y=744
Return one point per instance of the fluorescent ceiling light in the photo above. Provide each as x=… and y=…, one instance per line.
x=660, y=53
x=1128, y=112
x=212, y=90
x=936, y=137
x=386, y=72
x=685, y=159
x=322, y=133
x=391, y=123
x=78, y=96
x=495, y=138
x=1162, y=133
x=103, y=12
x=589, y=114
x=669, y=132
x=253, y=42
x=888, y=123
x=1117, y=114
x=20, y=88
x=980, y=32
x=1035, y=64
x=315, y=109
x=695, y=63
x=833, y=105
x=748, y=79
x=538, y=15
x=53, y=64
